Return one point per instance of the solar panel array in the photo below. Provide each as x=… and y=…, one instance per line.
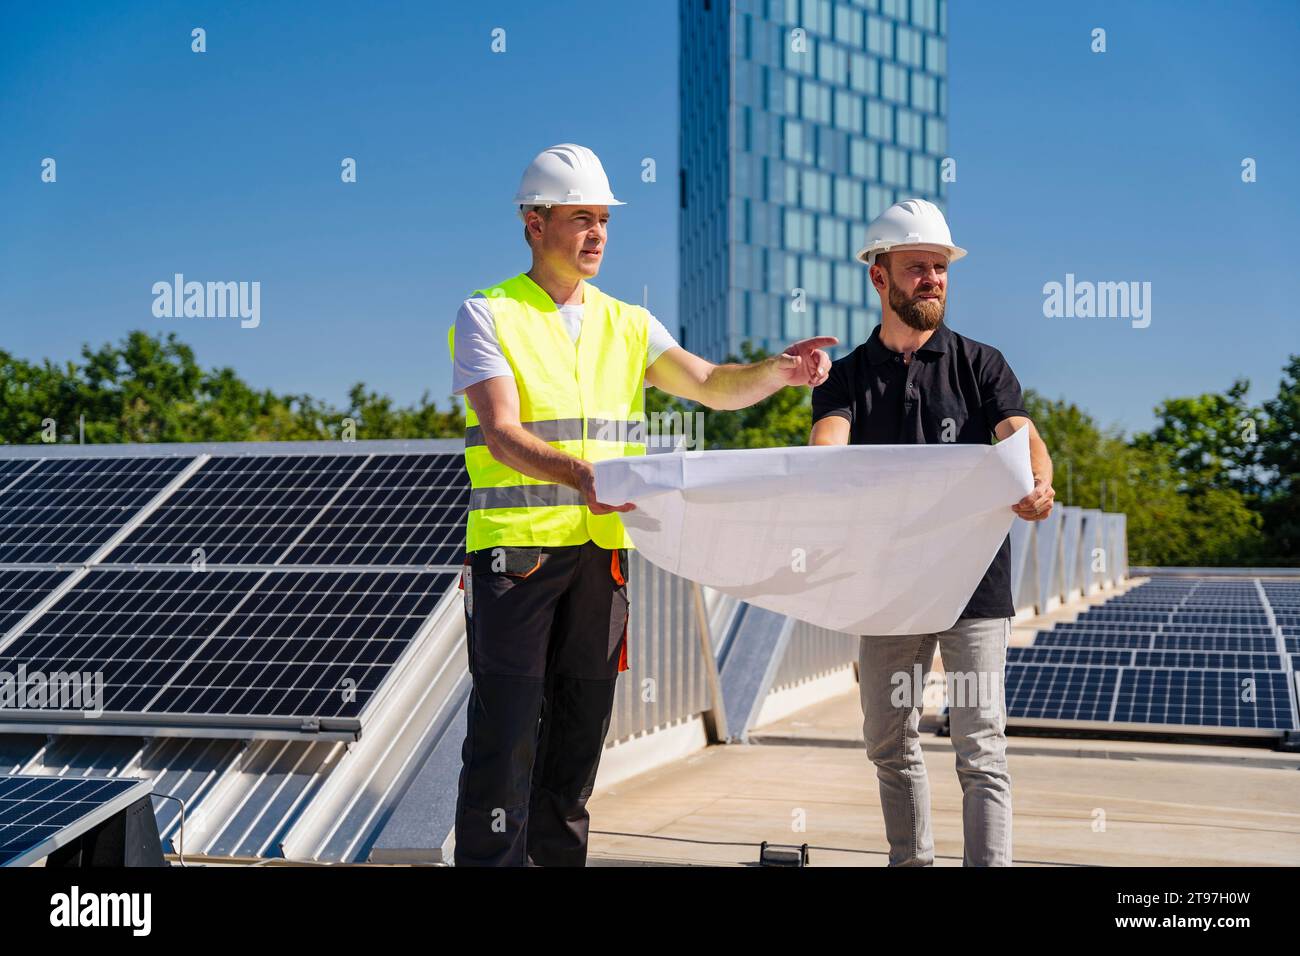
x=39, y=814
x=265, y=590
x=1176, y=654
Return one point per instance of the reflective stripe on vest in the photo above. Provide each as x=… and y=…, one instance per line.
x=524, y=496
x=570, y=429
x=586, y=399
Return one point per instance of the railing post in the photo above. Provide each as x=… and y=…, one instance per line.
x=715, y=718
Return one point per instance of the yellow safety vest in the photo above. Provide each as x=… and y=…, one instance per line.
x=587, y=400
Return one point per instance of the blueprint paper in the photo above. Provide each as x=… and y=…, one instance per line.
x=865, y=539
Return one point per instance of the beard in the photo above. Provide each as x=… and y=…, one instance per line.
x=924, y=315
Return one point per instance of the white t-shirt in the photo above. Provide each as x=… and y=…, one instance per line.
x=479, y=355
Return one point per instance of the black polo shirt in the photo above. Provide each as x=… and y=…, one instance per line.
x=954, y=390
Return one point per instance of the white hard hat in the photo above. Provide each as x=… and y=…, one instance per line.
x=910, y=224
x=565, y=175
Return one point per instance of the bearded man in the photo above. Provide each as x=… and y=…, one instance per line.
x=916, y=381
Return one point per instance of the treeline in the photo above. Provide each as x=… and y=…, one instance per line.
x=1215, y=483
x=150, y=389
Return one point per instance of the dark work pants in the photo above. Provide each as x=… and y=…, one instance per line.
x=545, y=629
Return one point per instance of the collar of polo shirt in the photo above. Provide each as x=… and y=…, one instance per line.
x=878, y=352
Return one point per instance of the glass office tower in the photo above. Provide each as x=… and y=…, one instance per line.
x=801, y=120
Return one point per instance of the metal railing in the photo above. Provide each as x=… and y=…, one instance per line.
x=1073, y=553
x=813, y=652
x=1070, y=554
x=667, y=678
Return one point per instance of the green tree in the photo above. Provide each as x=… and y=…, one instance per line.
x=1213, y=438
x=1279, y=456
x=151, y=389
x=1174, y=518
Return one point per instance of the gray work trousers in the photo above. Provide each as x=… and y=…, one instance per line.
x=892, y=672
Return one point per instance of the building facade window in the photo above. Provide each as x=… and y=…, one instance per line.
x=786, y=154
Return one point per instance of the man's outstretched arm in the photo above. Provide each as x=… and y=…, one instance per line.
x=730, y=386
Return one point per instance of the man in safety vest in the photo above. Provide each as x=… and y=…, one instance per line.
x=553, y=371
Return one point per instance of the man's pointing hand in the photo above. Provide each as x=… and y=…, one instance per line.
x=804, y=363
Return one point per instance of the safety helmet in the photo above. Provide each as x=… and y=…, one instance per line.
x=565, y=175
x=910, y=224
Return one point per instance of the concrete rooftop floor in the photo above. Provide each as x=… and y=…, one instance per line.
x=1162, y=804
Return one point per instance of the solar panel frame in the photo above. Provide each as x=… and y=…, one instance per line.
x=39, y=814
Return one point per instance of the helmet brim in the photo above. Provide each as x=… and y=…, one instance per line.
x=867, y=253
x=520, y=204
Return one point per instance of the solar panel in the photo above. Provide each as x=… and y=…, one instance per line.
x=1062, y=636
x=40, y=814
x=1127, y=617
x=1068, y=655
x=1119, y=628
x=310, y=510
x=20, y=591
x=1243, y=629
x=399, y=510
x=238, y=509
x=67, y=508
x=1183, y=660
x=1072, y=639
x=1213, y=642
x=259, y=649
x=1207, y=698
x=1208, y=660
x=1060, y=692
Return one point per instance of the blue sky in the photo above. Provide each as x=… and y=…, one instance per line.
x=1122, y=166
